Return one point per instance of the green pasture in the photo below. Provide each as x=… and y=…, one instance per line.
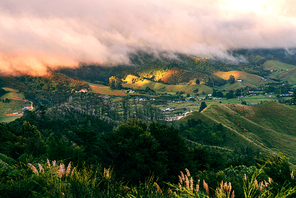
x=277, y=65
x=289, y=76
x=11, y=94
x=233, y=86
x=9, y=118
x=269, y=126
x=12, y=107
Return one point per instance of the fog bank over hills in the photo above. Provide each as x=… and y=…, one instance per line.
x=41, y=35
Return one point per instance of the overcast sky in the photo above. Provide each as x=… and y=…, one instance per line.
x=40, y=34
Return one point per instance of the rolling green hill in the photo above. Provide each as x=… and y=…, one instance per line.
x=269, y=127
x=281, y=71
x=277, y=65
x=289, y=75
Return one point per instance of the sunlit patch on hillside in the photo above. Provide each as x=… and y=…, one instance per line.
x=225, y=75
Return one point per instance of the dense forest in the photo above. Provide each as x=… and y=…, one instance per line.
x=65, y=152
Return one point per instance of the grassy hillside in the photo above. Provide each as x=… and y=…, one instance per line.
x=260, y=126
x=105, y=90
x=14, y=104
x=234, y=86
x=135, y=82
x=233, y=138
x=273, y=115
x=281, y=71
x=277, y=65
x=289, y=75
x=248, y=79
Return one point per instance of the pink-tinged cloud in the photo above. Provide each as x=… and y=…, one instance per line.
x=39, y=35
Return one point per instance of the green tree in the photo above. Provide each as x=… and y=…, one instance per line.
x=197, y=81
x=202, y=106
x=277, y=167
x=32, y=139
x=230, y=94
x=231, y=79
x=134, y=152
x=173, y=145
x=238, y=92
x=115, y=82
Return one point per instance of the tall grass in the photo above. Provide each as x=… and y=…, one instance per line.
x=252, y=188
x=54, y=179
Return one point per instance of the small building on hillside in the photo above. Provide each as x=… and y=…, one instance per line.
x=141, y=99
x=168, y=109
x=131, y=91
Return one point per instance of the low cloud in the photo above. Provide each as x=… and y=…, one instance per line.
x=39, y=35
